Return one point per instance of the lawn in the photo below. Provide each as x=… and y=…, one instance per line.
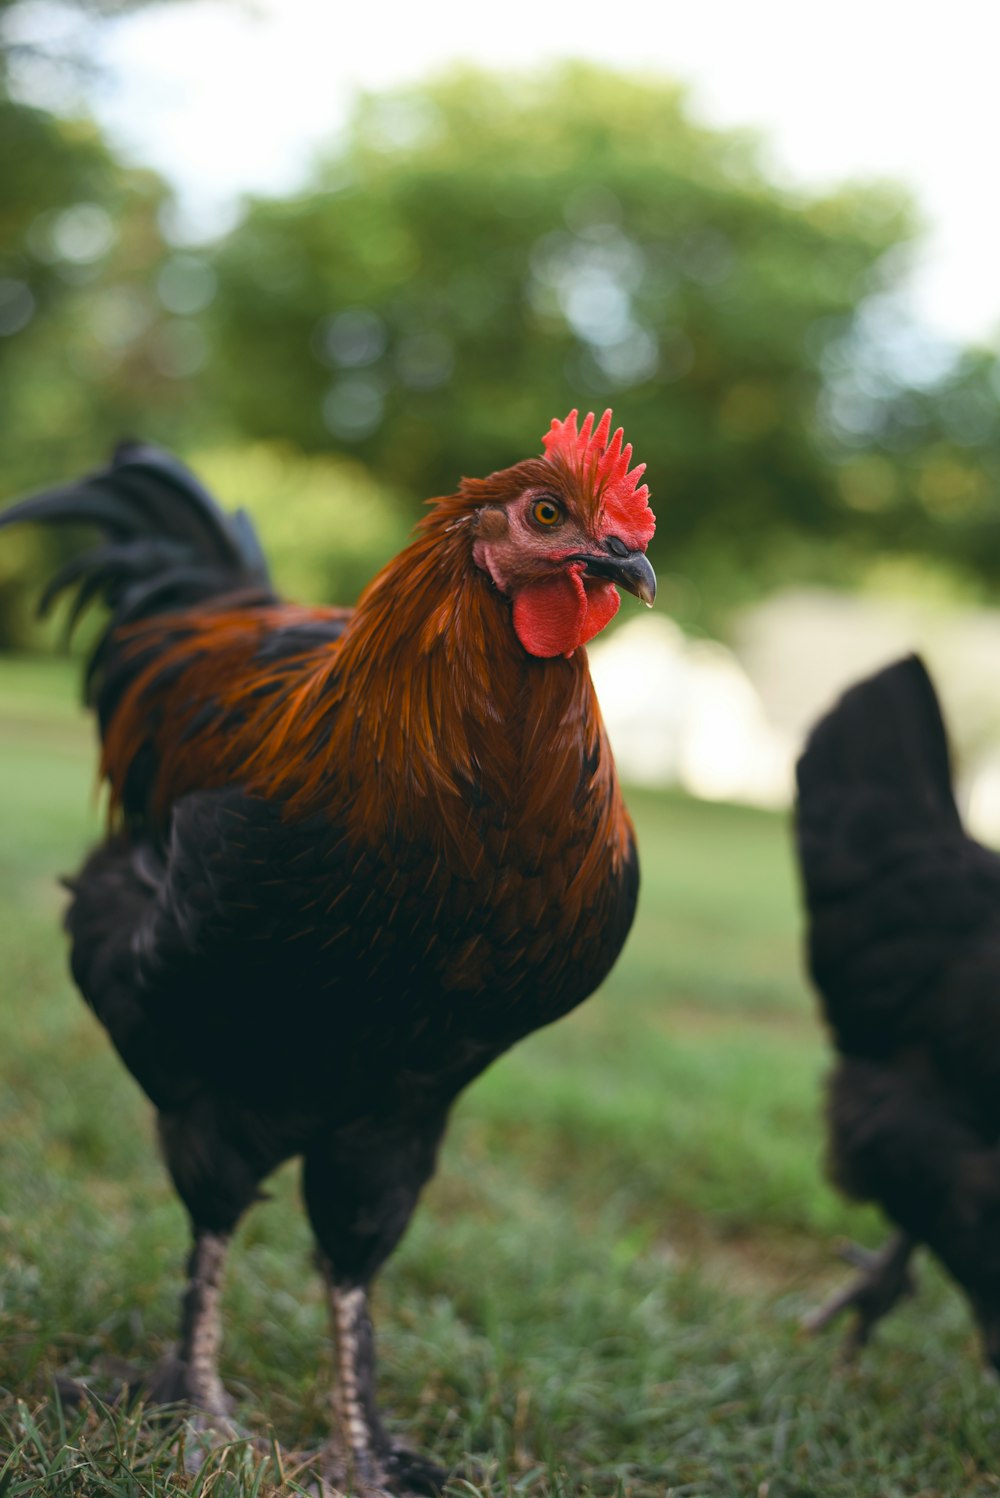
x=601, y=1294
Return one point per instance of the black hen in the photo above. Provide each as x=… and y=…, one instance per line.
x=904, y=948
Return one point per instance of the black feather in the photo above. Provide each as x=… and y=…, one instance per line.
x=891, y=879
x=886, y=733
x=167, y=545
x=903, y=912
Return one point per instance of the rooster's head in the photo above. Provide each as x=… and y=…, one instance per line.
x=559, y=534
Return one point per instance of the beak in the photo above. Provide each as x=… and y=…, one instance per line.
x=632, y=572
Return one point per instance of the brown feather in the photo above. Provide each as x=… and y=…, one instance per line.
x=426, y=694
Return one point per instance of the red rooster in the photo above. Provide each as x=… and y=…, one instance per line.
x=355, y=856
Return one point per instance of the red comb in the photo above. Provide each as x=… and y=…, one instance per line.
x=623, y=503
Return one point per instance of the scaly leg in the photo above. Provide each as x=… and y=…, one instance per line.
x=885, y=1279
x=356, y=1419
x=192, y=1377
x=371, y=1459
x=201, y=1336
x=360, y=1189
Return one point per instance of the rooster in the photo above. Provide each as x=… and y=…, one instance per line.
x=354, y=856
x=904, y=948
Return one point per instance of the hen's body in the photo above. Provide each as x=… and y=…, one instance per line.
x=904, y=948
x=359, y=856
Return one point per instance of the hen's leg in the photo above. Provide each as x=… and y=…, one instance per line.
x=360, y=1194
x=885, y=1279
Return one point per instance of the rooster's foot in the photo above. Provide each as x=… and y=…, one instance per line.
x=173, y=1381
x=118, y=1383
x=410, y=1473
x=397, y=1473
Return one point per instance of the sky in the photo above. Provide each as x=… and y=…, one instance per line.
x=226, y=96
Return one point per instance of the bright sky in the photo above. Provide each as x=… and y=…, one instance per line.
x=224, y=96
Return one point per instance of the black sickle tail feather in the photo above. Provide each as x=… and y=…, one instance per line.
x=891, y=880
x=166, y=545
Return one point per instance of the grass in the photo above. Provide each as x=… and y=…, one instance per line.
x=600, y=1296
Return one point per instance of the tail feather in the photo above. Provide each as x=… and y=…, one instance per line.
x=874, y=780
x=166, y=545
x=147, y=496
x=886, y=733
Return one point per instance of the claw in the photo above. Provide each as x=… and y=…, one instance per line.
x=399, y=1473
x=885, y=1278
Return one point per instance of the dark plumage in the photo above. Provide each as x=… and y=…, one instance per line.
x=904, y=948
x=355, y=856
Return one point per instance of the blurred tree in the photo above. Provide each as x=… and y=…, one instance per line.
x=483, y=253
x=917, y=433
x=328, y=526
x=475, y=256
x=88, y=344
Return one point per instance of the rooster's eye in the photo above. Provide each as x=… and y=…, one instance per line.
x=547, y=512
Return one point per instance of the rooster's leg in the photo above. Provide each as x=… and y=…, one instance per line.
x=360, y=1189
x=372, y=1460
x=356, y=1417
x=217, y=1170
x=201, y=1334
x=885, y=1279
x=192, y=1376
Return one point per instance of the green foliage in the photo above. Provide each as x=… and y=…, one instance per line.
x=325, y=525
x=483, y=253
x=475, y=256
x=599, y=1296
x=925, y=473
x=61, y=196
x=91, y=341
x=95, y=360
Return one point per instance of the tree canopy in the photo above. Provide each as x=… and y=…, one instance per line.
x=484, y=253
x=478, y=254
x=84, y=336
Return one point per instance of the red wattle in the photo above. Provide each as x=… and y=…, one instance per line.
x=555, y=615
x=603, y=603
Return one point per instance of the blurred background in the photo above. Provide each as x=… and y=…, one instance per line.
x=337, y=260
x=338, y=263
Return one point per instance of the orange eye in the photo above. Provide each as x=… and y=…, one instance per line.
x=547, y=512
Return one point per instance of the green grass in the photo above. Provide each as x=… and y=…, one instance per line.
x=601, y=1293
